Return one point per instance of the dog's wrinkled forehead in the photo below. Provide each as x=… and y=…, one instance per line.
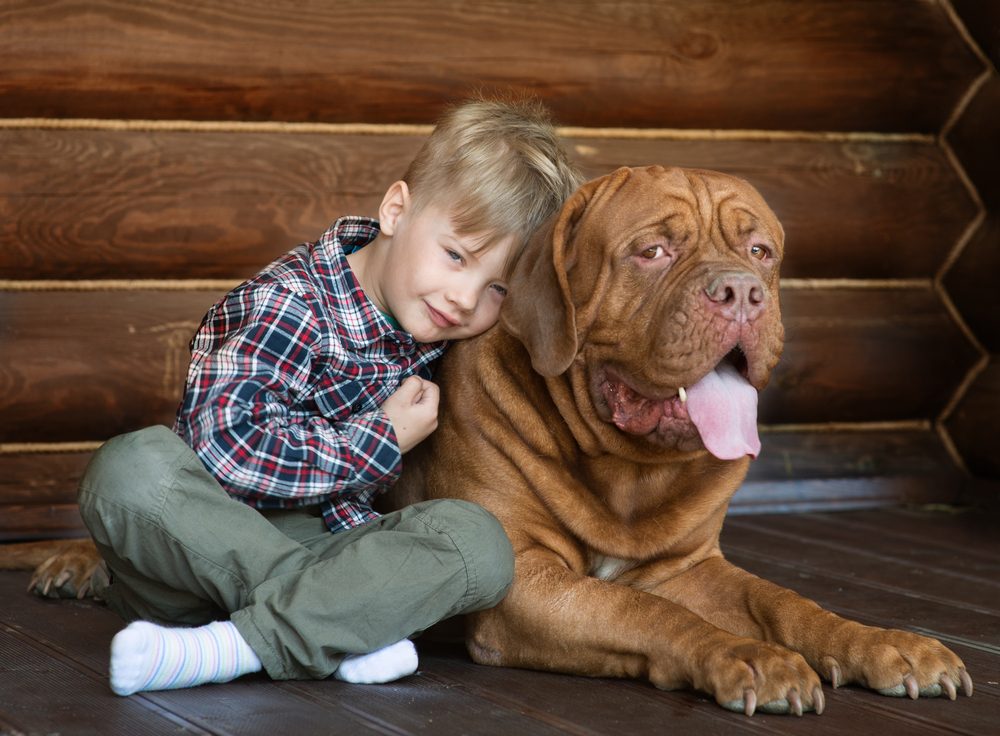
x=688, y=204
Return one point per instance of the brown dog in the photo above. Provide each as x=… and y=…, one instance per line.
x=569, y=421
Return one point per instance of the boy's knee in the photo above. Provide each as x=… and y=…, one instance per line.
x=125, y=469
x=488, y=549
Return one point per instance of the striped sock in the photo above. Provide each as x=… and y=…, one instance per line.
x=145, y=656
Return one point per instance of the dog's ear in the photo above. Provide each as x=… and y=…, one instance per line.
x=539, y=311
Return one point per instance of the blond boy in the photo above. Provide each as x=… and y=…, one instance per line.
x=307, y=385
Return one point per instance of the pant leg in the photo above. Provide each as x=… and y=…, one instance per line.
x=378, y=583
x=183, y=552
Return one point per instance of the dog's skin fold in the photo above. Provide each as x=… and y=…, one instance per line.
x=567, y=422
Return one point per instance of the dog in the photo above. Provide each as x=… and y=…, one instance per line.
x=606, y=422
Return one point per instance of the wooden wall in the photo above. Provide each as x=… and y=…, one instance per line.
x=153, y=153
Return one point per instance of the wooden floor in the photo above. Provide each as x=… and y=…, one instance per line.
x=934, y=572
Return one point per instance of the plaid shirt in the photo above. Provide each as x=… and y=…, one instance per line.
x=287, y=375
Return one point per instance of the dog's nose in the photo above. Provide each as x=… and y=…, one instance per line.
x=736, y=295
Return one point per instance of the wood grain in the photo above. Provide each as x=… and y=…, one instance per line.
x=976, y=300
x=91, y=365
x=975, y=424
x=976, y=142
x=99, y=204
x=38, y=478
x=884, y=355
x=884, y=65
x=814, y=455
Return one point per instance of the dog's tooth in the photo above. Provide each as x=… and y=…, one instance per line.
x=683, y=394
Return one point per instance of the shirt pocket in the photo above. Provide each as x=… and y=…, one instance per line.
x=343, y=400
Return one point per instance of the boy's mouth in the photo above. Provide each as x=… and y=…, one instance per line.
x=441, y=319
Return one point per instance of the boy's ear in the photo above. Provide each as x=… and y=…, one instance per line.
x=395, y=201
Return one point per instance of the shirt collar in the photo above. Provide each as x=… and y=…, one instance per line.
x=357, y=318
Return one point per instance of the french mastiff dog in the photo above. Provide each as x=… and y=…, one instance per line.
x=607, y=421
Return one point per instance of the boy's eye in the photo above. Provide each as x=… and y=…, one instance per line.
x=502, y=291
x=454, y=256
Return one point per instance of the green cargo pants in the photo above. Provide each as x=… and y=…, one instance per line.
x=182, y=552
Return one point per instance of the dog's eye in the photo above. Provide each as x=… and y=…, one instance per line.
x=652, y=252
x=758, y=252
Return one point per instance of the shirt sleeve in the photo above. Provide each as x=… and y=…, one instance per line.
x=253, y=362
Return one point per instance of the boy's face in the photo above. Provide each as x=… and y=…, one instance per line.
x=439, y=285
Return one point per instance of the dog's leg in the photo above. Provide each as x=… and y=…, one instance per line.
x=63, y=568
x=556, y=619
x=893, y=662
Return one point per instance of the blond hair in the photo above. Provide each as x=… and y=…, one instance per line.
x=497, y=167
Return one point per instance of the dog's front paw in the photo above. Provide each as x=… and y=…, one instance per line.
x=898, y=664
x=69, y=573
x=756, y=676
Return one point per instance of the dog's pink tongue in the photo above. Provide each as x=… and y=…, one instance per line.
x=723, y=406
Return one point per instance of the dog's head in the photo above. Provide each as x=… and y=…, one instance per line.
x=659, y=288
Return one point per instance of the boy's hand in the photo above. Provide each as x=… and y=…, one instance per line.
x=413, y=410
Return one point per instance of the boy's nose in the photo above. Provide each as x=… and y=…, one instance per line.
x=463, y=298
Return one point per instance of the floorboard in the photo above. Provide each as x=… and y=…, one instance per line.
x=934, y=572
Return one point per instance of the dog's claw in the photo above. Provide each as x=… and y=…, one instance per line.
x=795, y=702
x=949, y=686
x=819, y=700
x=750, y=698
x=966, y=682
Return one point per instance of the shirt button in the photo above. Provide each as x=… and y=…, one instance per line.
x=356, y=409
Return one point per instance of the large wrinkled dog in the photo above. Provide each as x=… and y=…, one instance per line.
x=606, y=422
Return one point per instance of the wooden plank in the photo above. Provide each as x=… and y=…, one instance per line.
x=810, y=455
x=100, y=204
x=849, y=590
x=916, y=555
x=983, y=23
x=41, y=478
x=975, y=424
x=844, y=65
x=974, y=136
x=91, y=365
x=28, y=693
x=864, y=356
x=175, y=205
x=981, y=255
x=843, y=494
x=38, y=521
x=965, y=531
x=901, y=568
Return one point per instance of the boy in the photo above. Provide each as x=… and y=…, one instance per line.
x=307, y=384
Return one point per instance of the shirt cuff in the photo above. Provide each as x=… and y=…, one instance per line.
x=376, y=449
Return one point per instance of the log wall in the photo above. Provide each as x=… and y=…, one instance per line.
x=154, y=153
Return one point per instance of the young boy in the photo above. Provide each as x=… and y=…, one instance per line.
x=307, y=384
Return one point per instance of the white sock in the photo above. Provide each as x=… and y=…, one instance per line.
x=383, y=665
x=145, y=656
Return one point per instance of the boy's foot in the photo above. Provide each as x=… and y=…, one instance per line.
x=384, y=665
x=145, y=656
